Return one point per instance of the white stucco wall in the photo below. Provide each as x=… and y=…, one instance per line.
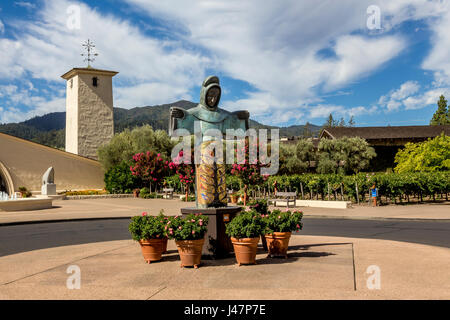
x=95, y=115
x=89, y=110
x=72, y=115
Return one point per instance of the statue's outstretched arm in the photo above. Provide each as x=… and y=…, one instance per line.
x=242, y=114
x=175, y=115
x=176, y=112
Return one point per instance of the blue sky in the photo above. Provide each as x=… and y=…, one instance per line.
x=287, y=62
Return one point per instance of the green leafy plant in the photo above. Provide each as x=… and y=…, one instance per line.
x=145, y=193
x=248, y=224
x=85, y=192
x=148, y=227
x=283, y=221
x=192, y=227
x=24, y=192
x=259, y=205
x=430, y=155
x=127, y=143
x=118, y=179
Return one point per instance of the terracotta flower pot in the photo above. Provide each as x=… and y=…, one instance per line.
x=152, y=249
x=278, y=244
x=164, y=246
x=234, y=199
x=245, y=250
x=190, y=252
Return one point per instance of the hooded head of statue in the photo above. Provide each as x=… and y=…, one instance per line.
x=210, y=93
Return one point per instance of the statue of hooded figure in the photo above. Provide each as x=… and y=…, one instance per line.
x=210, y=178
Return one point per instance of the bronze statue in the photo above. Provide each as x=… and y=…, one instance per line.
x=210, y=177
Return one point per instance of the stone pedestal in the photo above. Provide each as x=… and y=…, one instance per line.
x=48, y=189
x=217, y=243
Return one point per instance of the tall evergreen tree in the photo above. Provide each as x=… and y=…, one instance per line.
x=330, y=122
x=307, y=133
x=351, y=122
x=441, y=116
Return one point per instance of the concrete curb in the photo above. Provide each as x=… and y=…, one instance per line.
x=16, y=223
x=373, y=218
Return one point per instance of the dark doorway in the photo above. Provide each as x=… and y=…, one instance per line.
x=2, y=185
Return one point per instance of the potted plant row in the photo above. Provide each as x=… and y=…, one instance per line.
x=152, y=233
x=246, y=228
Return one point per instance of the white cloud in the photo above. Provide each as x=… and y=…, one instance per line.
x=393, y=100
x=161, y=93
x=406, y=89
x=36, y=104
x=357, y=56
x=322, y=111
x=2, y=27
x=274, y=47
x=408, y=97
x=428, y=98
x=25, y=4
x=438, y=59
x=47, y=49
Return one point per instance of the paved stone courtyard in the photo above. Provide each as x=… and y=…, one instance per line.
x=317, y=268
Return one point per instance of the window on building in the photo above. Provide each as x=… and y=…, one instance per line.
x=95, y=81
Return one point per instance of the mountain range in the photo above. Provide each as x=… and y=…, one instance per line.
x=49, y=129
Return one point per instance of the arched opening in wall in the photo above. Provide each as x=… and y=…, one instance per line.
x=6, y=184
x=3, y=185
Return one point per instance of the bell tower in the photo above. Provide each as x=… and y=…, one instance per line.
x=89, y=109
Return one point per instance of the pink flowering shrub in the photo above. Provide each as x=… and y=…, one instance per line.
x=249, y=172
x=185, y=171
x=145, y=226
x=192, y=227
x=283, y=221
x=150, y=167
x=247, y=224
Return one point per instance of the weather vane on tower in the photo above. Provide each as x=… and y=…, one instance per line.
x=89, y=46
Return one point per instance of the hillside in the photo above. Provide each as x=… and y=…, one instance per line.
x=49, y=129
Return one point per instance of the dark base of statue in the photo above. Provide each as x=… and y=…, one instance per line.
x=218, y=244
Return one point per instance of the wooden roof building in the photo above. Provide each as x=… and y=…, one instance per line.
x=387, y=136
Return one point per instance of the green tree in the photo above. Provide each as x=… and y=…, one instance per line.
x=289, y=163
x=442, y=114
x=357, y=154
x=124, y=145
x=307, y=133
x=351, y=122
x=430, y=155
x=341, y=122
x=305, y=153
x=329, y=156
x=118, y=179
x=344, y=155
x=330, y=122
